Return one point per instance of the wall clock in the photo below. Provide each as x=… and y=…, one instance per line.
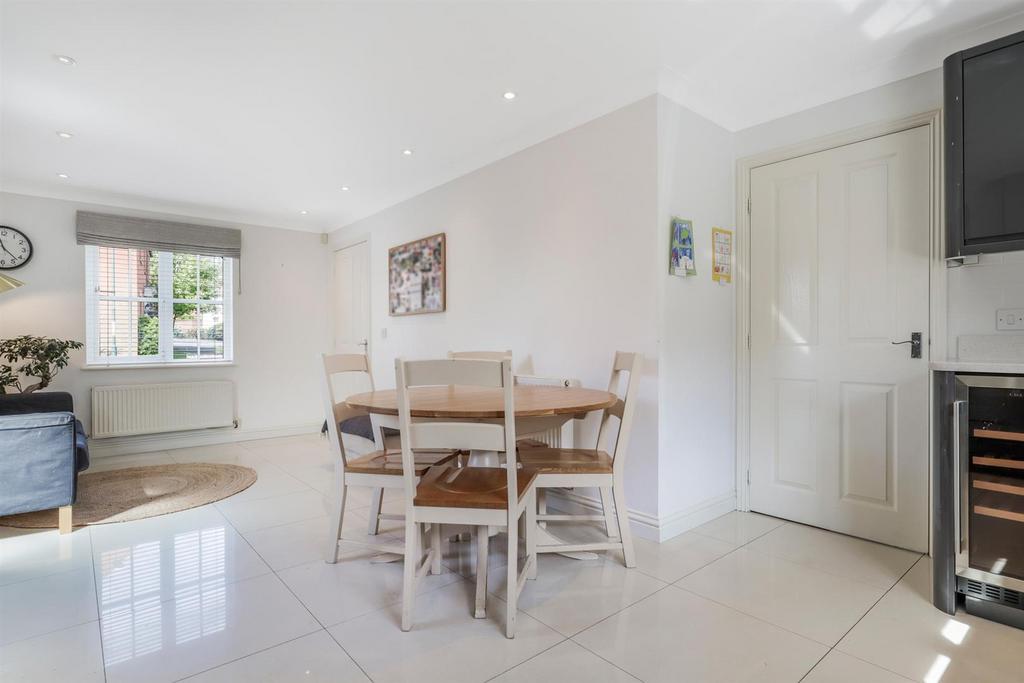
x=15, y=248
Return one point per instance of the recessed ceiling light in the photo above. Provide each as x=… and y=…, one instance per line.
x=345, y=188
x=407, y=152
x=64, y=59
x=509, y=95
x=63, y=176
x=63, y=134
x=303, y=212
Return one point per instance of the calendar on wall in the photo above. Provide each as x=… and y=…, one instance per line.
x=721, y=266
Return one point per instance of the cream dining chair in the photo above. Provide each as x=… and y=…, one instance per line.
x=376, y=470
x=476, y=496
x=480, y=355
x=578, y=467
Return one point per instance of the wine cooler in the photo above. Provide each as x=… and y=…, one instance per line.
x=988, y=495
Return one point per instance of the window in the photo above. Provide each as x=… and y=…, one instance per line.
x=147, y=306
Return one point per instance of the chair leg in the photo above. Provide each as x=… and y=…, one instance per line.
x=337, y=519
x=609, y=518
x=531, y=534
x=512, y=580
x=482, y=538
x=435, y=548
x=622, y=515
x=412, y=558
x=376, y=501
x=64, y=520
x=542, y=505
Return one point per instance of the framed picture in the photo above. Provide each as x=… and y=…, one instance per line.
x=680, y=257
x=416, y=276
x=722, y=256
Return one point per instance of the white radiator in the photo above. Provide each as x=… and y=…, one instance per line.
x=134, y=409
x=553, y=437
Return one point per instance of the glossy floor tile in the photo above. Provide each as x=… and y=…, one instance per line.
x=816, y=605
x=675, y=636
x=238, y=591
x=566, y=661
x=35, y=553
x=203, y=625
x=71, y=654
x=853, y=558
x=906, y=635
x=50, y=603
x=569, y=595
x=315, y=658
x=446, y=643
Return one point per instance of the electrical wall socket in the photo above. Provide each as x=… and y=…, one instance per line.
x=1010, y=319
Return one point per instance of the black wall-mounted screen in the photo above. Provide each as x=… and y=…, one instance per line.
x=993, y=146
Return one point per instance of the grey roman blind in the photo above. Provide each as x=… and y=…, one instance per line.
x=107, y=230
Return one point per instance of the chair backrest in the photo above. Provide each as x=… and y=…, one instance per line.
x=624, y=408
x=442, y=434
x=480, y=355
x=336, y=411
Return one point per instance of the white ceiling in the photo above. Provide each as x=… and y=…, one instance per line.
x=256, y=110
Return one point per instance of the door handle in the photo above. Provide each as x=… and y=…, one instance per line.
x=915, y=344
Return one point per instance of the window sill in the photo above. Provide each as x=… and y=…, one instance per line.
x=155, y=366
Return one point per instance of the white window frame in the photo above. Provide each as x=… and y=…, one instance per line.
x=165, y=301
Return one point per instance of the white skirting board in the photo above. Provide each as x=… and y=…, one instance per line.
x=127, y=445
x=648, y=526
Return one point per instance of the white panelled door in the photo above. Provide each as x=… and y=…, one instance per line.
x=839, y=269
x=352, y=299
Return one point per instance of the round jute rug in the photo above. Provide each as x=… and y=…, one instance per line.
x=139, y=492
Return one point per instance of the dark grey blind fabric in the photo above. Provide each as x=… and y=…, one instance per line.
x=108, y=230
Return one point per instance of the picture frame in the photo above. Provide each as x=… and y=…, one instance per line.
x=417, y=273
x=681, y=262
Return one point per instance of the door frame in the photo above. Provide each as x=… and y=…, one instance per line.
x=342, y=246
x=937, y=272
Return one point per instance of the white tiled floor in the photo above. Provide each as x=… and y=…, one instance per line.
x=238, y=591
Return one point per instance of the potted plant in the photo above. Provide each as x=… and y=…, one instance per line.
x=39, y=358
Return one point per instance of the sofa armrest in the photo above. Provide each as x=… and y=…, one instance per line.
x=36, y=402
x=37, y=462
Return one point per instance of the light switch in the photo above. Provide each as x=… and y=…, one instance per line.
x=1010, y=319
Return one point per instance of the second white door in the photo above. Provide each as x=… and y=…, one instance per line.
x=352, y=299
x=839, y=270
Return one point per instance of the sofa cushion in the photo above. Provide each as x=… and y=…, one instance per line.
x=38, y=468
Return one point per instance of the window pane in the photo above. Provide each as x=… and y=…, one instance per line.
x=126, y=272
x=211, y=277
x=186, y=332
x=211, y=332
x=127, y=328
x=185, y=280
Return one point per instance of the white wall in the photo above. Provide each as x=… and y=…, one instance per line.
x=281, y=315
x=552, y=252
x=697, y=325
x=977, y=292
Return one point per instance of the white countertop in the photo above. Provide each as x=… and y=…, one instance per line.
x=1007, y=367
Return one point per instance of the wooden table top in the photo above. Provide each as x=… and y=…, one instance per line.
x=482, y=402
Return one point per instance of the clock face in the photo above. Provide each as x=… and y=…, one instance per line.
x=15, y=248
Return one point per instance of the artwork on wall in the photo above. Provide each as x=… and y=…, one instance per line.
x=416, y=276
x=681, y=260
x=721, y=266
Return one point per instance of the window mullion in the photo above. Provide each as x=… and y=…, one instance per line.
x=166, y=309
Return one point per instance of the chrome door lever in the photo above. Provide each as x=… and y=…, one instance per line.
x=915, y=344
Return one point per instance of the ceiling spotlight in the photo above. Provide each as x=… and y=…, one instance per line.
x=63, y=176
x=344, y=188
x=64, y=59
x=509, y=95
x=64, y=135
x=303, y=212
x=407, y=152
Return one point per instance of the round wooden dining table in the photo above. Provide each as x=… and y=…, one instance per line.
x=462, y=402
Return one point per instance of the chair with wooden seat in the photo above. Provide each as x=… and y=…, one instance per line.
x=378, y=470
x=578, y=467
x=482, y=497
x=480, y=355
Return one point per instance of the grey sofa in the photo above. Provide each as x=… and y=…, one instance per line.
x=42, y=450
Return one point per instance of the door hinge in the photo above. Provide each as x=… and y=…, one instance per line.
x=748, y=205
x=748, y=342
x=748, y=477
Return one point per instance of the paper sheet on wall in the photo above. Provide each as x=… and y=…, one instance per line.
x=721, y=266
